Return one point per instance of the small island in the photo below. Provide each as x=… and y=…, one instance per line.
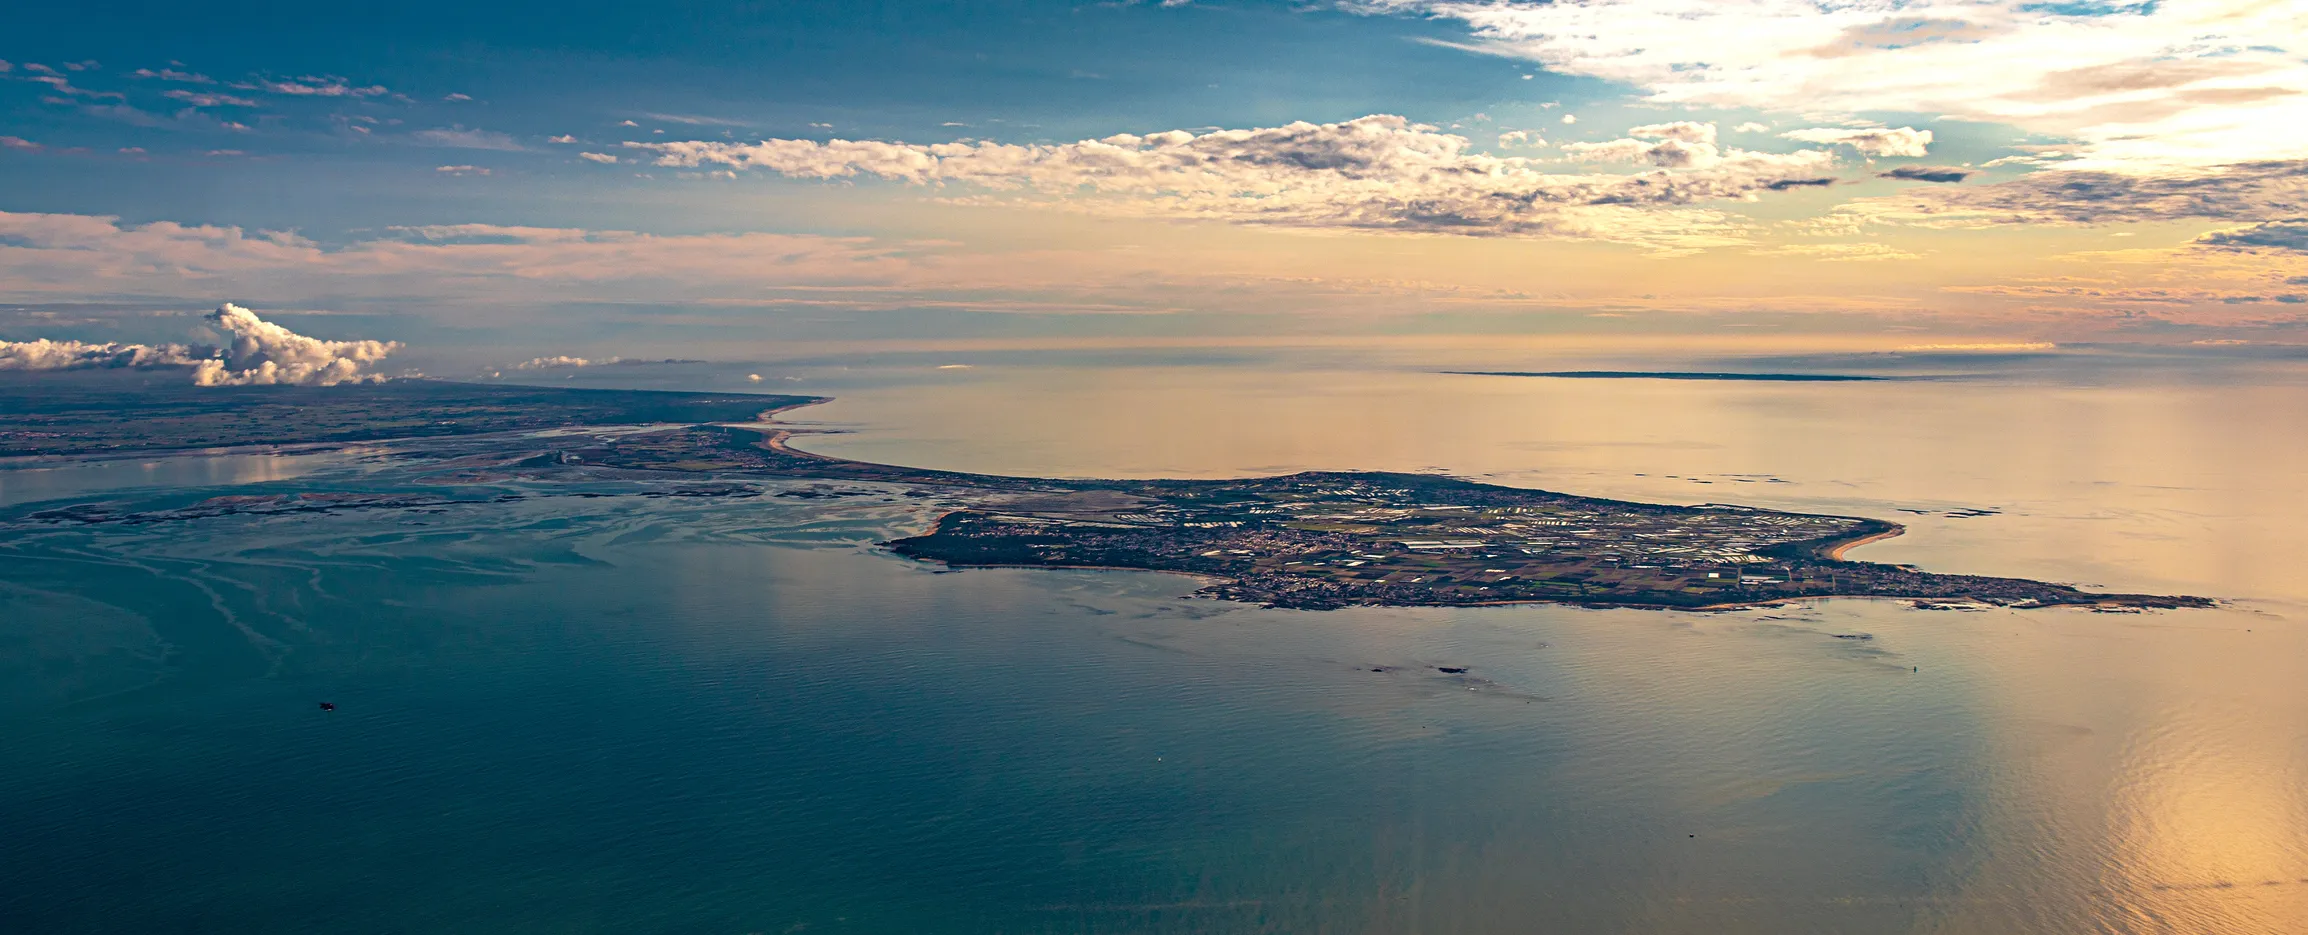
x=1316, y=540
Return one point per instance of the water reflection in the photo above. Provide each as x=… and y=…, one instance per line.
x=27, y=480
x=741, y=716
x=2127, y=774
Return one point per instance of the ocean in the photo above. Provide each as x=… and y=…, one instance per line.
x=640, y=714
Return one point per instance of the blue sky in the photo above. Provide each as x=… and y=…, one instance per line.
x=1020, y=71
x=478, y=178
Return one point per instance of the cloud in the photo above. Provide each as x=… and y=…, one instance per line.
x=1844, y=252
x=603, y=158
x=1374, y=173
x=1872, y=141
x=256, y=352
x=1685, y=131
x=462, y=138
x=261, y=353
x=58, y=84
x=198, y=99
x=461, y=170
x=1751, y=127
x=171, y=74
x=456, y=96
x=18, y=142
x=43, y=256
x=1514, y=138
x=560, y=361
x=2289, y=235
x=563, y=138
x=2197, y=83
x=1672, y=153
x=45, y=354
x=1927, y=174
x=314, y=86
x=2259, y=191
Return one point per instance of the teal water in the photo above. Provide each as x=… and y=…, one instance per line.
x=633, y=714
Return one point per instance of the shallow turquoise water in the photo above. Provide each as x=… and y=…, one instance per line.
x=628, y=714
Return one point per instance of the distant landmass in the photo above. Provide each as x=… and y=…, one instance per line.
x=1670, y=375
x=1314, y=540
x=99, y=413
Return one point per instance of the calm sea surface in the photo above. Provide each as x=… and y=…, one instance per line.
x=634, y=715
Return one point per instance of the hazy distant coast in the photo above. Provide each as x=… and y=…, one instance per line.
x=1673, y=375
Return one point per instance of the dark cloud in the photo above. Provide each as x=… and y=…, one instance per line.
x=1785, y=184
x=2272, y=235
x=2268, y=191
x=1927, y=174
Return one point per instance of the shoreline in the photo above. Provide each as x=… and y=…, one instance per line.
x=1835, y=553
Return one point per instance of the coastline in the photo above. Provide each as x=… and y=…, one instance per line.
x=1835, y=553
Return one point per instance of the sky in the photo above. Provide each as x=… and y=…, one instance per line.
x=517, y=181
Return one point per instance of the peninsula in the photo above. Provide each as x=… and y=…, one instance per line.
x=1327, y=539
x=1314, y=540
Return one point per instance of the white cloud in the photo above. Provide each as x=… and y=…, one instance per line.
x=603, y=158
x=462, y=138
x=1377, y=173
x=563, y=138
x=256, y=352
x=314, y=86
x=1873, y=141
x=1844, y=252
x=45, y=354
x=461, y=170
x=169, y=74
x=1751, y=127
x=1686, y=131
x=47, y=256
x=261, y=353
x=2191, y=82
x=560, y=361
x=198, y=99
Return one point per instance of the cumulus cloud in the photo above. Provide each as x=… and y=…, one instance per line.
x=261, y=353
x=45, y=354
x=256, y=353
x=2204, y=82
x=1872, y=141
x=1927, y=174
x=1378, y=173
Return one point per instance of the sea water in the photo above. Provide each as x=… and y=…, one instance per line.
x=634, y=714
